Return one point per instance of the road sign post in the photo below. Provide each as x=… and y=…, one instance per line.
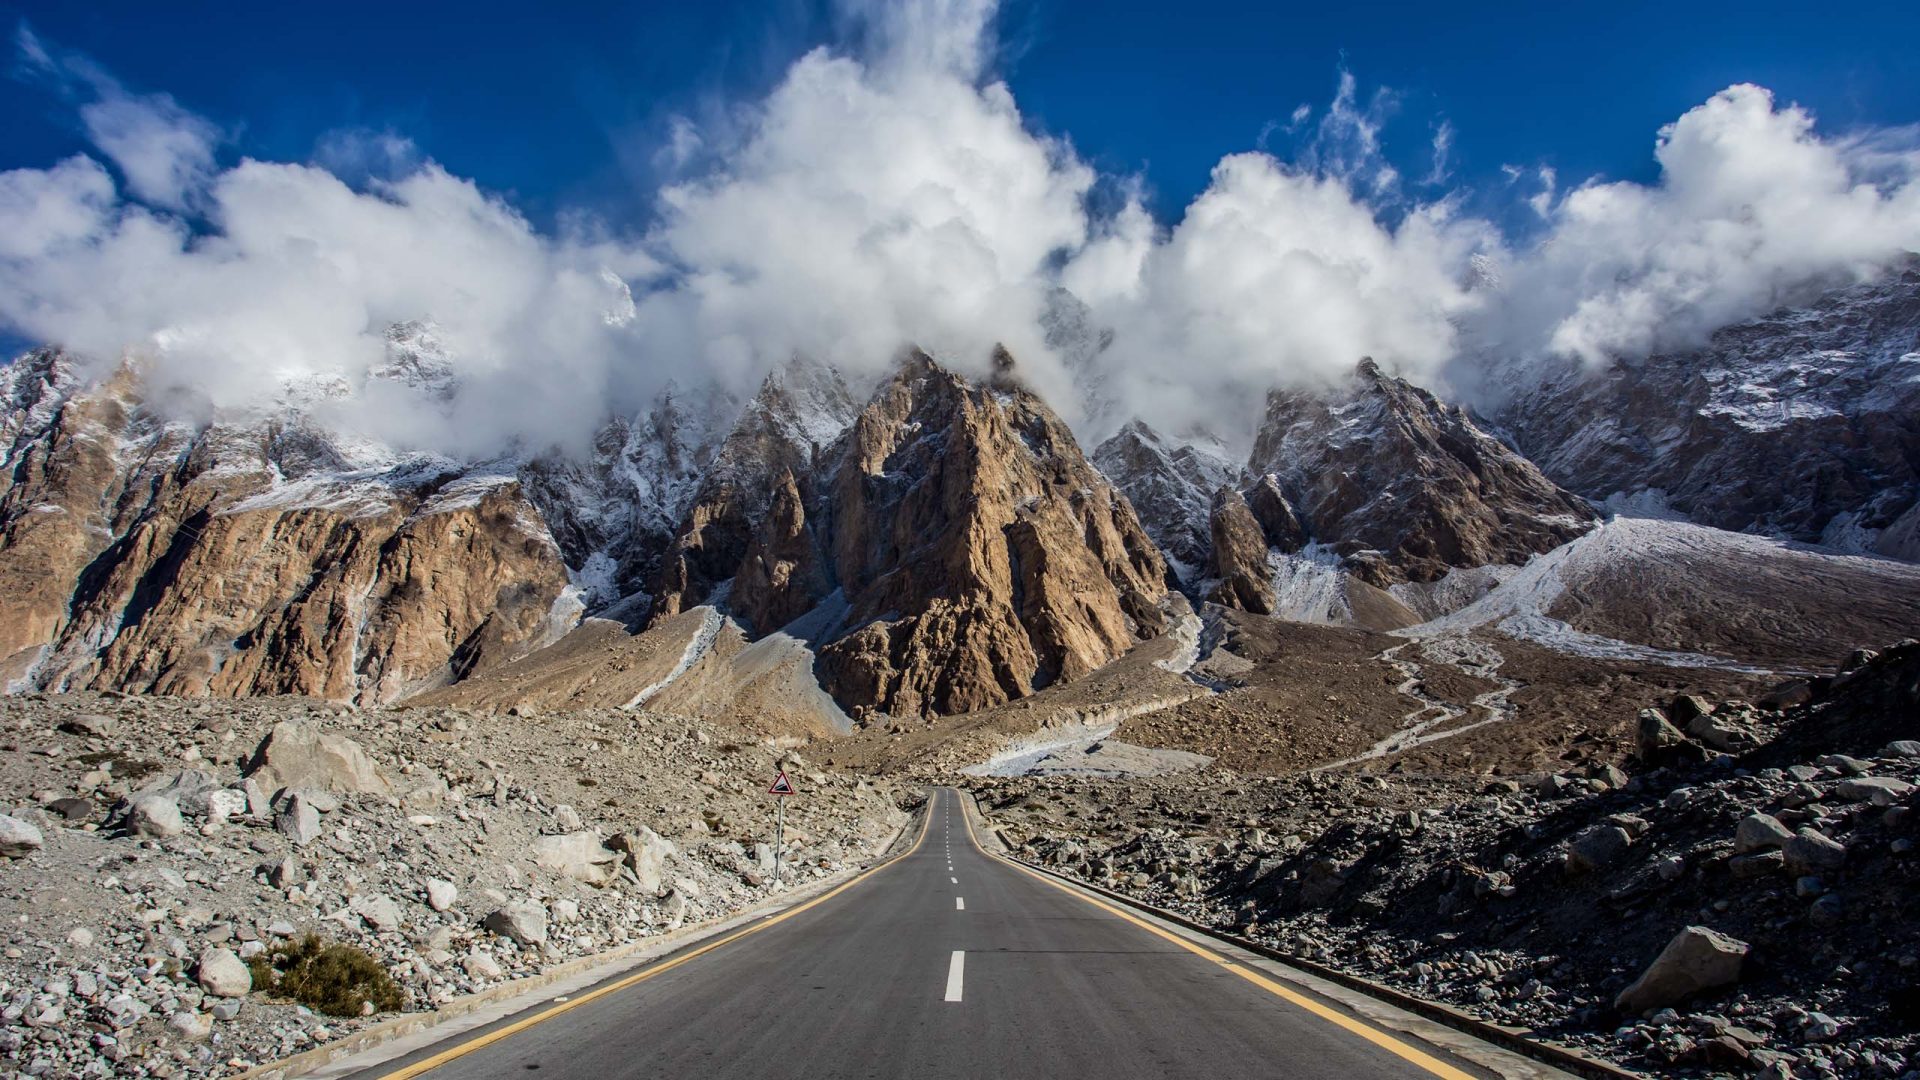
x=781, y=787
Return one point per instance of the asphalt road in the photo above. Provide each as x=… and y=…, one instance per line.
x=945, y=963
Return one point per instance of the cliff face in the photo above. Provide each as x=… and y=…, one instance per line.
x=981, y=557
x=1171, y=486
x=775, y=446
x=1405, y=487
x=250, y=559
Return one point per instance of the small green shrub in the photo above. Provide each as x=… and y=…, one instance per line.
x=326, y=976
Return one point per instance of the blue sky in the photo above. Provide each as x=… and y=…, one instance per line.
x=560, y=110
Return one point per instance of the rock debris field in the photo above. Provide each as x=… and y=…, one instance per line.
x=153, y=847
x=1734, y=898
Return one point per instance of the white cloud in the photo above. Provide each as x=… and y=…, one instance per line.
x=871, y=201
x=1276, y=276
x=1752, y=210
x=890, y=191
x=164, y=151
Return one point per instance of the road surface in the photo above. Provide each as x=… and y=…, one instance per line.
x=944, y=963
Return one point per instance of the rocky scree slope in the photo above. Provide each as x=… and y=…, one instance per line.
x=1733, y=897
x=153, y=844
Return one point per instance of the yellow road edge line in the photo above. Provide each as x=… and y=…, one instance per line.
x=1366, y=1031
x=427, y=1065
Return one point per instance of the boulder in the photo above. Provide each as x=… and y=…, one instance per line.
x=92, y=725
x=154, y=815
x=223, y=974
x=1878, y=790
x=1660, y=742
x=377, y=911
x=1787, y=695
x=1757, y=865
x=298, y=821
x=1812, y=852
x=1758, y=832
x=299, y=755
x=1687, y=708
x=192, y=1026
x=188, y=789
x=1596, y=848
x=578, y=855
x=19, y=838
x=647, y=853
x=441, y=894
x=72, y=809
x=524, y=921
x=1697, y=959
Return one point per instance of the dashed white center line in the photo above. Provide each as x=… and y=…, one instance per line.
x=959, y=903
x=955, y=880
x=956, y=971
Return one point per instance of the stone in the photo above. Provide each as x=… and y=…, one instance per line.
x=284, y=873
x=92, y=725
x=71, y=810
x=1686, y=708
x=566, y=912
x=226, y=1010
x=80, y=937
x=441, y=894
x=124, y=1011
x=1903, y=748
x=1758, y=832
x=1720, y=736
x=647, y=853
x=522, y=921
x=18, y=839
x=192, y=1026
x=1829, y=909
x=1787, y=695
x=154, y=815
x=298, y=821
x=225, y=803
x=298, y=755
x=222, y=974
x=1596, y=848
x=1757, y=865
x=578, y=855
x=378, y=911
x=1656, y=737
x=1877, y=790
x=1696, y=960
x=481, y=965
x=1811, y=851
x=259, y=799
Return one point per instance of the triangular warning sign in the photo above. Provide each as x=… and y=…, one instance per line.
x=781, y=785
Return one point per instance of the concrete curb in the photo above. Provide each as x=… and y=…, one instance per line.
x=1511, y=1039
x=588, y=970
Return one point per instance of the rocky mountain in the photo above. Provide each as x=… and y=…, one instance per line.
x=1348, y=492
x=980, y=556
x=944, y=547
x=1171, y=485
x=251, y=558
x=1804, y=423
x=772, y=450
x=1405, y=487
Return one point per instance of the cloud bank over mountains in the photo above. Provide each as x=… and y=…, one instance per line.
x=889, y=191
